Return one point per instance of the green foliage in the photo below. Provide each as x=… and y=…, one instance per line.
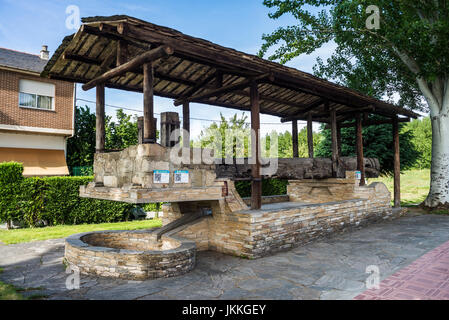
x=410, y=46
x=121, y=134
x=237, y=127
x=10, y=190
x=285, y=144
x=81, y=147
x=377, y=143
x=422, y=141
x=55, y=200
x=270, y=187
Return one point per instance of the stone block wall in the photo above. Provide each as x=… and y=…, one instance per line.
x=256, y=233
x=129, y=255
x=326, y=190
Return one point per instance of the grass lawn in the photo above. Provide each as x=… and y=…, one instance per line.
x=415, y=186
x=34, y=234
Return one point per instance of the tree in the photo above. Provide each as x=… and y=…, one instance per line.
x=81, y=147
x=285, y=143
x=122, y=133
x=223, y=137
x=422, y=141
x=407, y=54
x=377, y=143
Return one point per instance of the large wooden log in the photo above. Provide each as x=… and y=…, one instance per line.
x=256, y=182
x=397, y=164
x=298, y=168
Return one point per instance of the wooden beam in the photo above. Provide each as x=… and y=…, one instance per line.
x=222, y=90
x=149, y=56
x=149, y=130
x=359, y=144
x=256, y=183
x=310, y=135
x=370, y=123
x=79, y=58
x=122, y=52
x=272, y=99
x=339, y=139
x=295, y=138
x=304, y=111
x=186, y=125
x=334, y=137
x=397, y=164
x=100, y=119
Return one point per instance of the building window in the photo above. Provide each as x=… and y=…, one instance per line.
x=35, y=94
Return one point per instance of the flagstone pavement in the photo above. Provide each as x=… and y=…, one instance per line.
x=332, y=268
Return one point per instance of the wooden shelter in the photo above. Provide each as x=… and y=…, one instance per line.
x=126, y=53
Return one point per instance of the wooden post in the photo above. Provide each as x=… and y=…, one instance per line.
x=186, y=125
x=397, y=164
x=359, y=143
x=334, y=136
x=339, y=139
x=310, y=135
x=149, y=129
x=100, y=130
x=256, y=183
x=295, y=138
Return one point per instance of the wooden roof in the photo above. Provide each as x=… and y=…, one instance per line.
x=198, y=66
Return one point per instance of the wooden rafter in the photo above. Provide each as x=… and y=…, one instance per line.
x=138, y=61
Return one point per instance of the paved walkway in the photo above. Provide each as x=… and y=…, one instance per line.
x=333, y=268
x=425, y=279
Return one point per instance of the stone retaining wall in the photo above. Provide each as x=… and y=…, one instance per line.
x=279, y=226
x=132, y=255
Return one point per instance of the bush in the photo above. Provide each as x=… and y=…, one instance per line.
x=10, y=190
x=55, y=200
x=270, y=187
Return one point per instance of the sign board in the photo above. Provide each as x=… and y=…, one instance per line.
x=181, y=176
x=358, y=175
x=161, y=176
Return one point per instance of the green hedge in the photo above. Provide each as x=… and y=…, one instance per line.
x=10, y=190
x=55, y=200
x=270, y=187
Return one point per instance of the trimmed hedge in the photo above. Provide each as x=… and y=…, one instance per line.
x=10, y=190
x=270, y=187
x=55, y=200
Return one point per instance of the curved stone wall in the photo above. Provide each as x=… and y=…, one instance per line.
x=133, y=255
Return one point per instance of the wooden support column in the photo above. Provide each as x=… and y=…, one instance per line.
x=122, y=52
x=149, y=129
x=359, y=143
x=310, y=135
x=339, y=139
x=397, y=164
x=186, y=125
x=334, y=136
x=295, y=138
x=256, y=183
x=100, y=129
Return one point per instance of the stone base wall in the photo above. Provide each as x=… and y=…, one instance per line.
x=104, y=254
x=253, y=234
x=327, y=190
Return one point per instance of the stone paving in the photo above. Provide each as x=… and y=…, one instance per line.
x=332, y=268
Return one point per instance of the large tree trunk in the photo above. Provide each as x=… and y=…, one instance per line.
x=439, y=182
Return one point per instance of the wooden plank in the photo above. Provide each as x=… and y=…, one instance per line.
x=295, y=139
x=359, y=143
x=397, y=164
x=138, y=61
x=310, y=135
x=186, y=125
x=100, y=118
x=256, y=183
x=149, y=131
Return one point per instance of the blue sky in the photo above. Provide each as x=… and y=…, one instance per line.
x=27, y=25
